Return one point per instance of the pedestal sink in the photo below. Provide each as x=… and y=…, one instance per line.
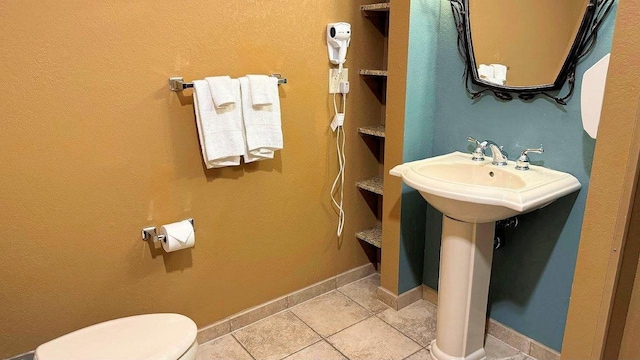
x=473, y=195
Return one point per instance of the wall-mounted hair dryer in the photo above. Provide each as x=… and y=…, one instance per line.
x=338, y=39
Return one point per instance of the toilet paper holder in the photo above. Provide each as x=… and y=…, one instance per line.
x=151, y=233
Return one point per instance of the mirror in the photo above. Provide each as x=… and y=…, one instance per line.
x=530, y=48
x=525, y=47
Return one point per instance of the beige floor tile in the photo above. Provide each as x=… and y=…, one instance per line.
x=329, y=313
x=496, y=349
x=519, y=356
x=373, y=339
x=310, y=292
x=509, y=336
x=420, y=355
x=355, y=274
x=364, y=293
x=225, y=347
x=276, y=337
x=214, y=331
x=318, y=351
x=542, y=352
x=417, y=321
x=257, y=313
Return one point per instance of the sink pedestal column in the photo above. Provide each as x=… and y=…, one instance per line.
x=463, y=290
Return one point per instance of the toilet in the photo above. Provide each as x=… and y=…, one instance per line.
x=140, y=337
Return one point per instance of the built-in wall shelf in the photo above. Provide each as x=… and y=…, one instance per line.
x=373, y=185
x=374, y=130
x=372, y=236
x=366, y=72
x=375, y=8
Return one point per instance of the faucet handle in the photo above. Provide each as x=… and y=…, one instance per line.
x=478, y=152
x=523, y=161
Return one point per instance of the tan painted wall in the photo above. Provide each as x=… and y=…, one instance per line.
x=95, y=147
x=396, y=88
x=629, y=344
x=626, y=273
x=531, y=37
x=610, y=198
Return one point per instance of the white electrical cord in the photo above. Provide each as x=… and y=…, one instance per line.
x=341, y=162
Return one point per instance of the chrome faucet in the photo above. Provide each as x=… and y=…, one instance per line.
x=497, y=152
x=499, y=155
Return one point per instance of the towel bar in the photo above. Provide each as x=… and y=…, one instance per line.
x=177, y=83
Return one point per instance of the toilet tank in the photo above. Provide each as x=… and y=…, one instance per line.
x=140, y=337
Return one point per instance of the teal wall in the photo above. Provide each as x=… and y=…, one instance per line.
x=418, y=134
x=532, y=275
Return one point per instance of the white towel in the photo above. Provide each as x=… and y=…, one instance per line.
x=494, y=73
x=262, y=124
x=485, y=72
x=220, y=130
x=220, y=87
x=500, y=73
x=261, y=92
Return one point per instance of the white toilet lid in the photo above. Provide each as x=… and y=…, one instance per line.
x=140, y=337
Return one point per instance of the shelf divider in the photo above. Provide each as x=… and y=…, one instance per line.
x=373, y=130
x=371, y=72
x=374, y=185
x=372, y=235
x=379, y=7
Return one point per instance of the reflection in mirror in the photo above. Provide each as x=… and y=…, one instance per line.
x=526, y=40
x=526, y=47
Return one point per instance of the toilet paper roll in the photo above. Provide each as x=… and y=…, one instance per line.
x=178, y=236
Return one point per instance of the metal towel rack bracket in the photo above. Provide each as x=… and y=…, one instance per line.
x=176, y=83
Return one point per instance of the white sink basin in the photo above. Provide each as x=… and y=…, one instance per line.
x=479, y=192
x=473, y=195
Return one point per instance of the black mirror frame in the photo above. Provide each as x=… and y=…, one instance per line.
x=585, y=40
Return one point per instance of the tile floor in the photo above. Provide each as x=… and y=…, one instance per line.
x=348, y=323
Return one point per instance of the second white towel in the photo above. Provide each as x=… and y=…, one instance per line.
x=261, y=91
x=262, y=123
x=221, y=88
x=220, y=129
